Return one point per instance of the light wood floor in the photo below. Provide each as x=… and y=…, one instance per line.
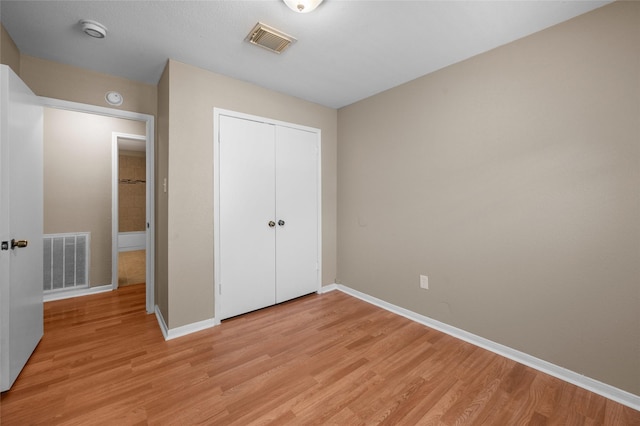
x=321, y=359
x=131, y=267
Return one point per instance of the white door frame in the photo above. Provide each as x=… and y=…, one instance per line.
x=217, y=112
x=149, y=121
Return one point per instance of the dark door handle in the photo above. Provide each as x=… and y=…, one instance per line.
x=271, y=224
x=281, y=222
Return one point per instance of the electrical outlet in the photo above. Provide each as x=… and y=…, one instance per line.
x=424, y=282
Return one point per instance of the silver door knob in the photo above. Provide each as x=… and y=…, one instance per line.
x=271, y=224
x=281, y=222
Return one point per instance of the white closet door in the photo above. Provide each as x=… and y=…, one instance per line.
x=247, y=205
x=296, y=213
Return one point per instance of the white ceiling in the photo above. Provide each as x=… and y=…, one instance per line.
x=347, y=50
x=136, y=145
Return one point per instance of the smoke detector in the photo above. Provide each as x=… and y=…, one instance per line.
x=114, y=98
x=93, y=28
x=269, y=38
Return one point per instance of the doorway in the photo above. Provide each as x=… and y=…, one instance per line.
x=130, y=184
x=147, y=139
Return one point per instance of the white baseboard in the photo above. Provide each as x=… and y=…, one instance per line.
x=161, y=323
x=67, y=294
x=328, y=288
x=608, y=391
x=185, y=329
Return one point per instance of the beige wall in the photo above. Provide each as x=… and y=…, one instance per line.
x=9, y=53
x=193, y=93
x=59, y=81
x=162, y=199
x=511, y=180
x=78, y=181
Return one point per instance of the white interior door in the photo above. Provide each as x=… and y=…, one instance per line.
x=21, y=217
x=247, y=205
x=296, y=213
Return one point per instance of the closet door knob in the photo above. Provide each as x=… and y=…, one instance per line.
x=281, y=222
x=271, y=224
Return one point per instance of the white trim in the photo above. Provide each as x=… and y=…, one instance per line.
x=130, y=241
x=217, y=304
x=174, y=333
x=93, y=109
x=217, y=112
x=328, y=288
x=150, y=211
x=220, y=111
x=595, y=386
x=161, y=323
x=319, y=177
x=59, y=295
x=149, y=121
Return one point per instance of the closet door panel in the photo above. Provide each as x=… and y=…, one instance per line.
x=247, y=205
x=297, y=206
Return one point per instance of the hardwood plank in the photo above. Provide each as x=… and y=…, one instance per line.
x=320, y=359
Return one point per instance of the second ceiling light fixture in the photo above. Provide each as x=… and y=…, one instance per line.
x=302, y=6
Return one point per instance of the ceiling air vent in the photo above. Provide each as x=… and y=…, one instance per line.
x=265, y=36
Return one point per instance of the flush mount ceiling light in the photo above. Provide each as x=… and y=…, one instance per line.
x=269, y=38
x=93, y=28
x=302, y=6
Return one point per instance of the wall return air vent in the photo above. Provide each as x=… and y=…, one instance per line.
x=271, y=39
